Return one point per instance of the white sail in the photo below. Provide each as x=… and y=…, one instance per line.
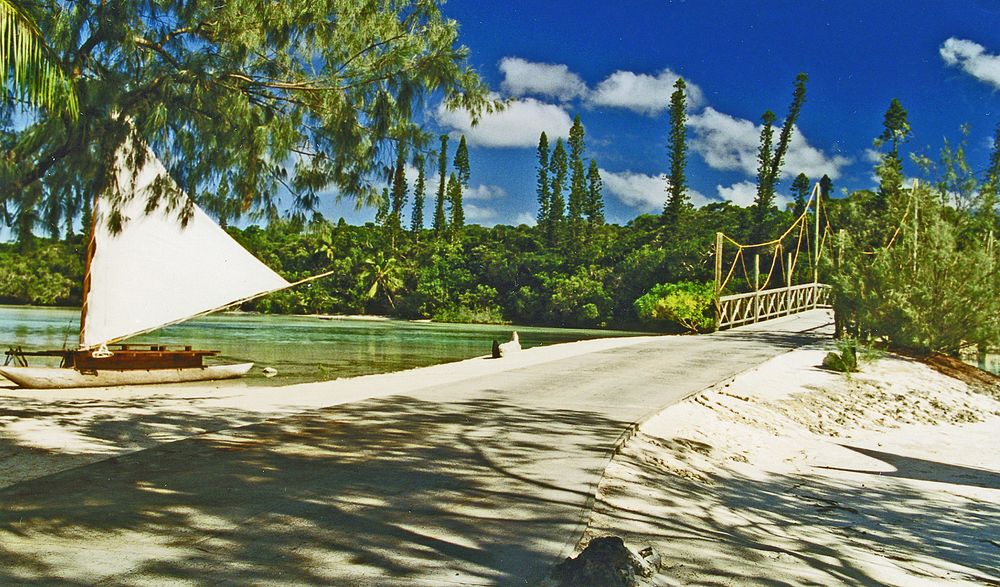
x=154, y=272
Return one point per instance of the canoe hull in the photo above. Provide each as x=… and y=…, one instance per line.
x=60, y=378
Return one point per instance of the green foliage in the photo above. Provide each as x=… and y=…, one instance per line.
x=28, y=64
x=477, y=306
x=800, y=190
x=544, y=203
x=228, y=92
x=578, y=179
x=557, y=205
x=687, y=303
x=577, y=299
x=595, y=195
x=462, y=163
x=896, y=127
x=770, y=159
x=49, y=274
x=398, y=199
x=915, y=269
x=845, y=358
x=440, y=220
x=455, y=205
x=419, y=196
x=677, y=200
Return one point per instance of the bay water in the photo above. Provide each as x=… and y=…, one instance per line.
x=300, y=348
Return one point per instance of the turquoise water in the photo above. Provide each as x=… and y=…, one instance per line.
x=301, y=348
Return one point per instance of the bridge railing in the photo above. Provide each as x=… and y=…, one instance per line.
x=748, y=308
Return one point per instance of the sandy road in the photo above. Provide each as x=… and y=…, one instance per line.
x=475, y=473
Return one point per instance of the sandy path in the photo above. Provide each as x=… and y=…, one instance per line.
x=477, y=473
x=793, y=475
x=45, y=431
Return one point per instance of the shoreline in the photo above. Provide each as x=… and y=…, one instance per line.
x=793, y=474
x=58, y=440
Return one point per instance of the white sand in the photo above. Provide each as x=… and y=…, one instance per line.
x=45, y=431
x=792, y=475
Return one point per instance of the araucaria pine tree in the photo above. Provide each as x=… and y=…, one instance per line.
x=398, y=200
x=455, y=200
x=419, y=195
x=769, y=162
x=896, y=129
x=800, y=191
x=440, y=221
x=462, y=163
x=677, y=200
x=382, y=209
x=765, y=196
x=595, y=196
x=825, y=187
x=557, y=203
x=543, y=183
x=578, y=178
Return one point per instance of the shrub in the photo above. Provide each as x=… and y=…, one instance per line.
x=687, y=303
x=849, y=354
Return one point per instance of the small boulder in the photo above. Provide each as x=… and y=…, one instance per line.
x=269, y=371
x=606, y=562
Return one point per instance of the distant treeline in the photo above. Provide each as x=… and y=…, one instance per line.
x=522, y=274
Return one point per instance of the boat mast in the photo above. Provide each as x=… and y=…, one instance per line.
x=91, y=248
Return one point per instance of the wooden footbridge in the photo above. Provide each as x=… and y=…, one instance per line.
x=791, y=283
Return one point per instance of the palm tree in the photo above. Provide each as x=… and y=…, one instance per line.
x=30, y=66
x=383, y=273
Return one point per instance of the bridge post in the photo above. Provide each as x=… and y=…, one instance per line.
x=756, y=287
x=718, y=279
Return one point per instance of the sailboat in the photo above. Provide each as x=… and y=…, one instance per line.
x=147, y=273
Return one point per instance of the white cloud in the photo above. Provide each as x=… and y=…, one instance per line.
x=642, y=93
x=972, y=58
x=744, y=192
x=872, y=156
x=548, y=79
x=525, y=218
x=729, y=143
x=479, y=214
x=518, y=125
x=485, y=192
x=646, y=193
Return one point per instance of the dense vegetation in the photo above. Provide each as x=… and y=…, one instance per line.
x=240, y=113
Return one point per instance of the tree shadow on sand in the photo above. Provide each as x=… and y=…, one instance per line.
x=738, y=529
x=386, y=491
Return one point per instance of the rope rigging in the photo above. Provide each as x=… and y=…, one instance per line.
x=784, y=257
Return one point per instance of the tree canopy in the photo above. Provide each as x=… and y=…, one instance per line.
x=29, y=66
x=241, y=97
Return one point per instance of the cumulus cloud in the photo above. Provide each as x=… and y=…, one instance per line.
x=744, y=192
x=872, y=156
x=646, y=193
x=729, y=143
x=485, y=192
x=518, y=125
x=642, y=93
x=547, y=79
x=972, y=58
x=525, y=218
x=480, y=214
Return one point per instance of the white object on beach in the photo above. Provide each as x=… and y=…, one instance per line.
x=512, y=346
x=269, y=371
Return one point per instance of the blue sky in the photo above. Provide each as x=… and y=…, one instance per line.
x=613, y=64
